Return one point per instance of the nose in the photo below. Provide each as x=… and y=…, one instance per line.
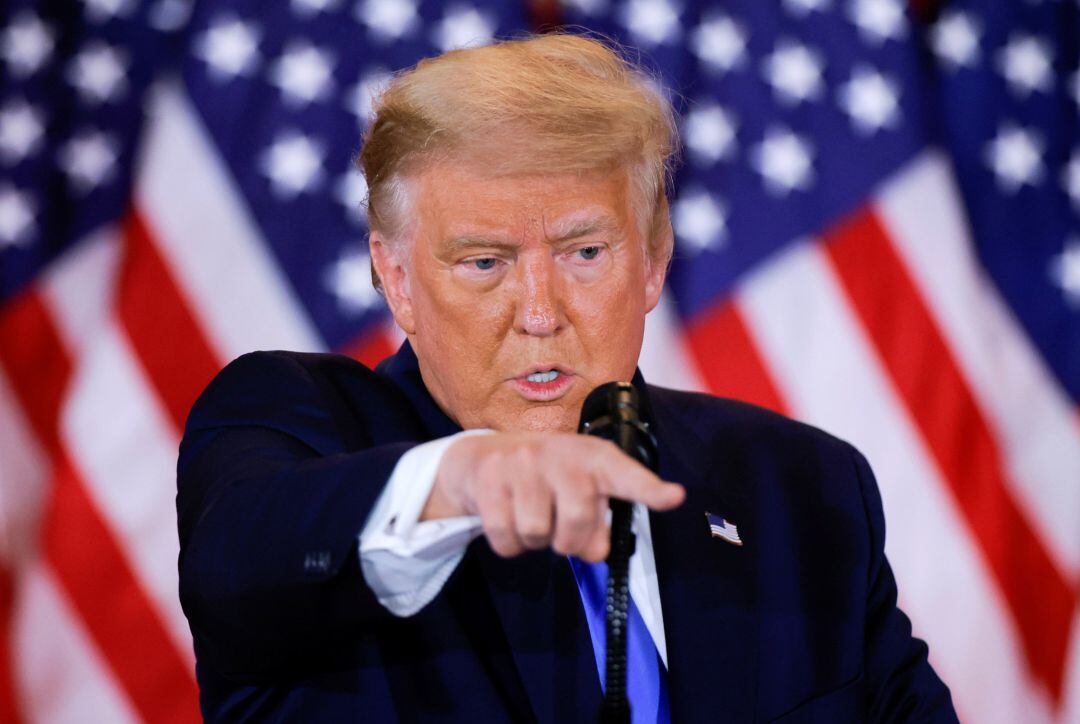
x=539, y=310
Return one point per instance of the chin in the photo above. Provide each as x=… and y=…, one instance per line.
x=543, y=418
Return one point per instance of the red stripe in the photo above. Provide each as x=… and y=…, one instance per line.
x=729, y=359
x=88, y=560
x=168, y=342
x=123, y=622
x=9, y=704
x=370, y=348
x=29, y=345
x=921, y=365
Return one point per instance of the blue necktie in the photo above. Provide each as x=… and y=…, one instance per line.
x=646, y=678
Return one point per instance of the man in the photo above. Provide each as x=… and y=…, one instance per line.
x=420, y=542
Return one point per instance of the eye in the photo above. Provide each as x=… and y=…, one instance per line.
x=486, y=263
x=588, y=253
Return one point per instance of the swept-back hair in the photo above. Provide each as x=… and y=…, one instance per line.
x=553, y=103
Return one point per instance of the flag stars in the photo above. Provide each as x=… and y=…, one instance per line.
x=802, y=8
x=311, y=8
x=1015, y=157
x=1065, y=271
x=16, y=217
x=710, y=134
x=794, y=72
x=388, y=19
x=89, y=160
x=1071, y=179
x=26, y=45
x=21, y=131
x=351, y=191
x=720, y=44
x=303, y=74
x=785, y=162
x=878, y=20
x=169, y=16
x=700, y=221
x=588, y=7
x=349, y=280
x=293, y=164
x=463, y=27
x=955, y=40
x=653, y=22
x=360, y=99
x=1026, y=63
x=101, y=11
x=230, y=47
x=871, y=100
x=99, y=73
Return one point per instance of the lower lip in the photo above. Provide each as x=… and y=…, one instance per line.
x=544, y=391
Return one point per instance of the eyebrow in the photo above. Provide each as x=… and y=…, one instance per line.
x=574, y=230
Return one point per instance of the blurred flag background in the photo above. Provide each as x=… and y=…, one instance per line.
x=876, y=233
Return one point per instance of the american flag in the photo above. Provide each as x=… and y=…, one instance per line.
x=876, y=233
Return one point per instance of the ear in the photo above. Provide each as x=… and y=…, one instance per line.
x=390, y=264
x=658, y=261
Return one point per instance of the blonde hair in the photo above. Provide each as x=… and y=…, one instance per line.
x=552, y=103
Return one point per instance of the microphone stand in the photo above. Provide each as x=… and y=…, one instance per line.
x=612, y=412
x=615, y=708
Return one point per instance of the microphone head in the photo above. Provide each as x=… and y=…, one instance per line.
x=609, y=397
x=613, y=411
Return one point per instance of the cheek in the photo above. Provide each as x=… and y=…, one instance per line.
x=611, y=318
x=463, y=330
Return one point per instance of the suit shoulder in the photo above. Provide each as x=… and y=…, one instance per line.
x=715, y=418
x=293, y=391
x=275, y=377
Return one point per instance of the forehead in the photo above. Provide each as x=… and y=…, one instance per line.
x=454, y=199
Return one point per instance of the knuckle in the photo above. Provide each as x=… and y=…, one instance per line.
x=577, y=516
x=534, y=534
x=563, y=547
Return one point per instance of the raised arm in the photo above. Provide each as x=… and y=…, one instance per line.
x=275, y=480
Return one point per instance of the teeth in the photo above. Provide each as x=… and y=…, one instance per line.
x=548, y=376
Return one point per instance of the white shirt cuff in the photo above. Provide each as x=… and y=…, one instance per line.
x=404, y=561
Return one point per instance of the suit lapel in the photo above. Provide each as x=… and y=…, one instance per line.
x=540, y=611
x=707, y=588
x=534, y=597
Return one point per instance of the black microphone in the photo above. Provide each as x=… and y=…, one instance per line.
x=613, y=412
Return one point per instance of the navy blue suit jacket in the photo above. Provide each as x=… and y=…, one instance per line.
x=284, y=455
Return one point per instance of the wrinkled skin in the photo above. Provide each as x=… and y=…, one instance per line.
x=500, y=277
x=542, y=301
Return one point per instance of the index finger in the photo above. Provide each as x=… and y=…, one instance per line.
x=620, y=476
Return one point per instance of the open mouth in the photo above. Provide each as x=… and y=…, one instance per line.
x=544, y=384
x=549, y=376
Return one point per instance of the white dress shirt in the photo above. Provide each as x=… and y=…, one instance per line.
x=406, y=562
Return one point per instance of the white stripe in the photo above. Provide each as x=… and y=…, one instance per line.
x=80, y=288
x=125, y=447
x=211, y=242
x=1030, y=415
x=827, y=371
x=24, y=472
x=665, y=358
x=114, y=428
x=60, y=677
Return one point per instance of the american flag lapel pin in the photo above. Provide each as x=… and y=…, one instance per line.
x=724, y=529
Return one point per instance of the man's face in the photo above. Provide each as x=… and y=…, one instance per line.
x=520, y=294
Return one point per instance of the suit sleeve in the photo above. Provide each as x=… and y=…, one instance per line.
x=901, y=684
x=269, y=504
